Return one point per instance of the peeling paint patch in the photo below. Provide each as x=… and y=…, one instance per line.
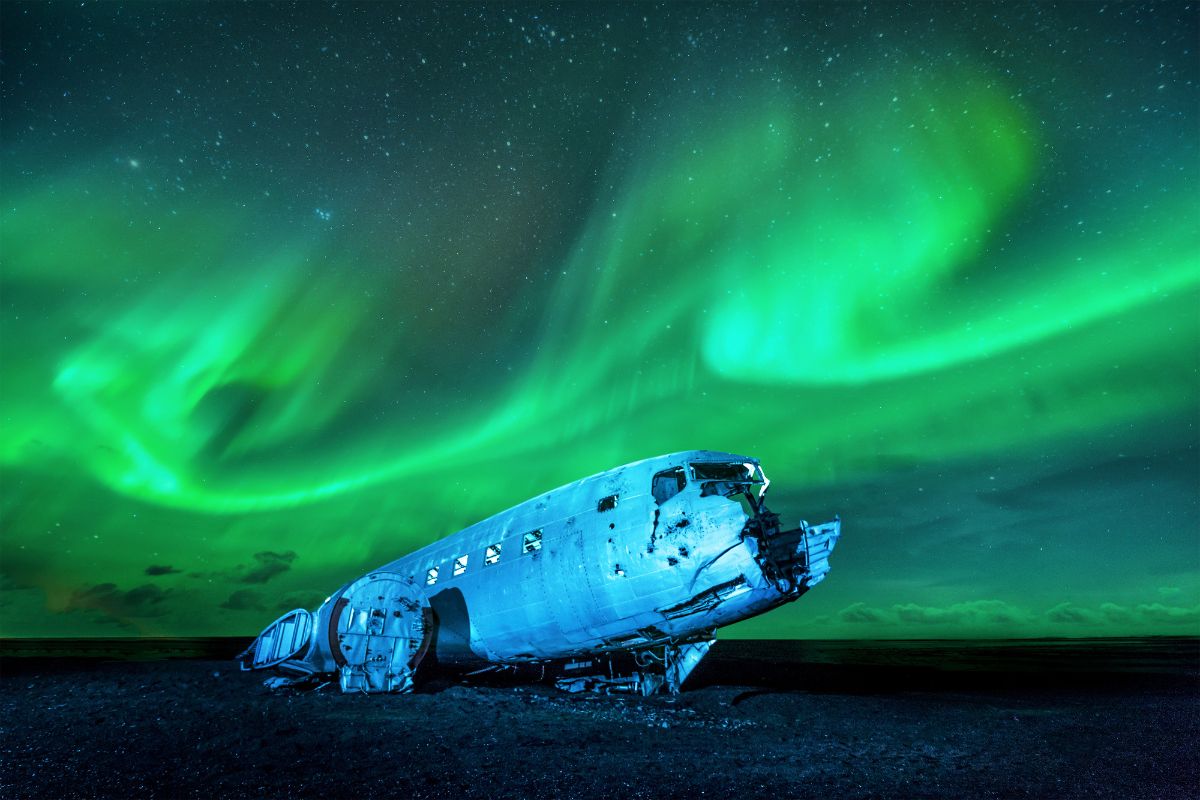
x=678, y=526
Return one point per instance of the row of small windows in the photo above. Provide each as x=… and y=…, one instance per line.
x=530, y=542
x=663, y=486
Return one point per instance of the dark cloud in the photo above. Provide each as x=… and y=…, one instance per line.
x=269, y=564
x=161, y=569
x=244, y=600
x=106, y=598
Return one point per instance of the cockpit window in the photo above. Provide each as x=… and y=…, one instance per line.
x=733, y=473
x=734, y=481
x=667, y=484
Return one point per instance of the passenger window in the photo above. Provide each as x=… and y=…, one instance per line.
x=607, y=503
x=667, y=484
x=460, y=565
x=431, y=576
x=531, y=542
x=492, y=555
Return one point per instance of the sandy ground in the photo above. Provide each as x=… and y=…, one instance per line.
x=753, y=723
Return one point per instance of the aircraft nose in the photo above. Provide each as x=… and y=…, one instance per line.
x=798, y=559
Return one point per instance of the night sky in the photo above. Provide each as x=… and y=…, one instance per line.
x=288, y=291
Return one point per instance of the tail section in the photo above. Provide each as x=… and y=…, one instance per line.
x=370, y=636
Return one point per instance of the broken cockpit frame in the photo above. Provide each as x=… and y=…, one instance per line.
x=793, y=560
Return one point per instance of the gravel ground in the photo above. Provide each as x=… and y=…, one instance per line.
x=199, y=728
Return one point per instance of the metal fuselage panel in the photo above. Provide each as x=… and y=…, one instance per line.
x=604, y=578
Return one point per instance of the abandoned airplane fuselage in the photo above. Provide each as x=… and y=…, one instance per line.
x=647, y=559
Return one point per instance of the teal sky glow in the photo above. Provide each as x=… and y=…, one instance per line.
x=281, y=300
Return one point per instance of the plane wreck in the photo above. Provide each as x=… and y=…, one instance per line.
x=617, y=581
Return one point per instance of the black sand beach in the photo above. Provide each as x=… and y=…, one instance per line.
x=1103, y=718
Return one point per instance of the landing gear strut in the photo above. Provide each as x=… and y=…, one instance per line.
x=658, y=669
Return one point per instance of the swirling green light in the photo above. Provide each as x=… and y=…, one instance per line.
x=830, y=284
x=776, y=249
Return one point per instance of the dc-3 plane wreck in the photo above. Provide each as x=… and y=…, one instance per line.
x=616, y=582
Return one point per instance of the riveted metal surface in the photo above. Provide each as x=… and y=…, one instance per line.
x=614, y=568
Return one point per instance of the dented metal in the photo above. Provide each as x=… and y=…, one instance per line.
x=645, y=560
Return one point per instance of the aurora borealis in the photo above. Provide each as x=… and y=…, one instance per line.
x=290, y=290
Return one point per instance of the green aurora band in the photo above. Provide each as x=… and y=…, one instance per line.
x=884, y=288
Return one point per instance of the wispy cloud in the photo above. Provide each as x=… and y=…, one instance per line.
x=244, y=600
x=267, y=565
x=109, y=600
x=997, y=614
x=861, y=612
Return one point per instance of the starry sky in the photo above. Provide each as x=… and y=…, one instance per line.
x=288, y=291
